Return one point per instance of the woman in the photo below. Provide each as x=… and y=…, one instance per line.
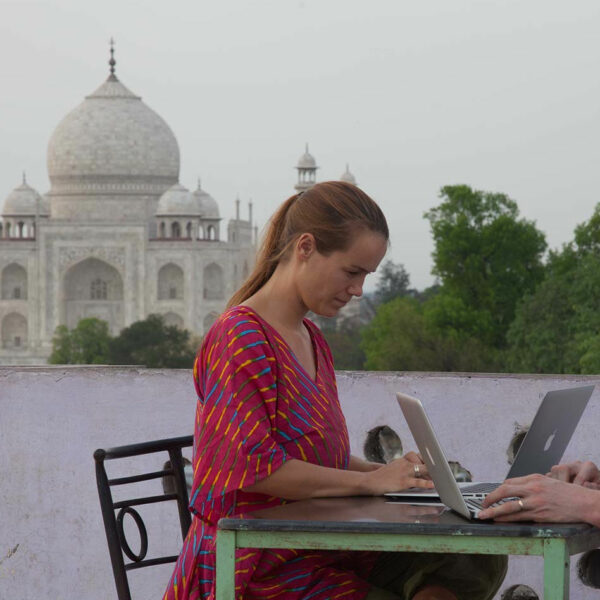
x=269, y=427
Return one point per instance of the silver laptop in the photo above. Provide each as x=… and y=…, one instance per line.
x=543, y=446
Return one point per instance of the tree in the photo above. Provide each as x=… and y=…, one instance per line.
x=557, y=327
x=486, y=259
x=344, y=343
x=154, y=344
x=86, y=344
x=393, y=282
x=399, y=339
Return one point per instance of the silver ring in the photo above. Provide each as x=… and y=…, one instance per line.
x=520, y=503
x=417, y=470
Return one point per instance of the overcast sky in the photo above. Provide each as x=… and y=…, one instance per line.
x=503, y=95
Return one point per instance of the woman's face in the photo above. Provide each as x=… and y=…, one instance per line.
x=326, y=283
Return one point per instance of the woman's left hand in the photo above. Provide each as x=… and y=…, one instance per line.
x=541, y=499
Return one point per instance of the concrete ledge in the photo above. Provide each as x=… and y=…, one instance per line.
x=53, y=418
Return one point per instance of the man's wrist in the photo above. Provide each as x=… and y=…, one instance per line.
x=591, y=507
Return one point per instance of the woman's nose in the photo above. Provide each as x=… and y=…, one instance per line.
x=356, y=289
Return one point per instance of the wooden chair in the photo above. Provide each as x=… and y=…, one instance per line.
x=113, y=512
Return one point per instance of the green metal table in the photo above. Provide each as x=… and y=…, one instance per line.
x=379, y=525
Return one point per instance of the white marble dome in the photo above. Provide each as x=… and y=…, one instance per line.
x=209, y=209
x=177, y=200
x=112, y=142
x=24, y=201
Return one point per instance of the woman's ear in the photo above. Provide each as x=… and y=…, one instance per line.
x=306, y=245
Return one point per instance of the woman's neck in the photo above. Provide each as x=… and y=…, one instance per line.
x=278, y=302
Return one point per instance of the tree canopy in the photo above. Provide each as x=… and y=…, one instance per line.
x=150, y=342
x=486, y=259
x=87, y=343
x=557, y=327
x=393, y=282
x=154, y=344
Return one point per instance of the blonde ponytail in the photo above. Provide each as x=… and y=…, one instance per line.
x=269, y=254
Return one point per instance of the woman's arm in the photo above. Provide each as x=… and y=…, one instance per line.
x=297, y=480
x=364, y=466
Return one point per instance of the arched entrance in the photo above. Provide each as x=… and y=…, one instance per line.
x=93, y=288
x=14, y=282
x=170, y=282
x=14, y=331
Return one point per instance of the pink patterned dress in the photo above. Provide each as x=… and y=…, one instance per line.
x=257, y=408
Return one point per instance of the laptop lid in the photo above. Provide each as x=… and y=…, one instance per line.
x=551, y=431
x=432, y=453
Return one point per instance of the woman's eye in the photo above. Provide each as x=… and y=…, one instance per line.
x=352, y=273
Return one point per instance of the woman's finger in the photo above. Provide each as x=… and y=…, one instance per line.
x=420, y=483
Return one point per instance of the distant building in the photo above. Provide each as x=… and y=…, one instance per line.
x=116, y=237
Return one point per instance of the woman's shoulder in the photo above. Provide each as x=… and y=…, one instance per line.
x=235, y=323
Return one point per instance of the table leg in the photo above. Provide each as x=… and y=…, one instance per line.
x=225, y=565
x=556, y=569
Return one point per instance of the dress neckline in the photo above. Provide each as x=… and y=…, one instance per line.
x=307, y=324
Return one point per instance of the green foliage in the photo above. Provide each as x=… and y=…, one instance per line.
x=557, y=328
x=345, y=347
x=486, y=259
x=150, y=342
x=393, y=282
x=154, y=344
x=399, y=339
x=86, y=344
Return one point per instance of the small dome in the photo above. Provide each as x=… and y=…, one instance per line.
x=209, y=209
x=307, y=161
x=22, y=201
x=348, y=177
x=177, y=200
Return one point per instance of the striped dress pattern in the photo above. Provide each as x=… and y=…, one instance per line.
x=257, y=408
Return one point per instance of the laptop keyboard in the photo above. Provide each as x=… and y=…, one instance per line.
x=476, y=504
x=479, y=488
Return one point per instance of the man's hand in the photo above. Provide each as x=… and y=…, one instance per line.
x=579, y=473
x=542, y=499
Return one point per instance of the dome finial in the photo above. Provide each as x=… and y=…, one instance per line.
x=24, y=178
x=112, y=62
x=199, y=183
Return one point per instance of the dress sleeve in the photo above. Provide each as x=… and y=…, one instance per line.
x=235, y=377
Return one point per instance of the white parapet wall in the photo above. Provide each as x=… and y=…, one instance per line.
x=52, y=542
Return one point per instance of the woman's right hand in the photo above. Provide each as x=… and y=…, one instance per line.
x=400, y=474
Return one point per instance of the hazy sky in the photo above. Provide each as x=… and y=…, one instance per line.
x=503, y=95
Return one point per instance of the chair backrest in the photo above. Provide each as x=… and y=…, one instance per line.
x=113, y=512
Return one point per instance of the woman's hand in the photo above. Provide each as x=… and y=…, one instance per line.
x=400, y=474
x=580, y=473
x=542, y=499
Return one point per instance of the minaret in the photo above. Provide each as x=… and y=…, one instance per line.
x=307, y=171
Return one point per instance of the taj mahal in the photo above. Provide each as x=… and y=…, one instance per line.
x=117, y=236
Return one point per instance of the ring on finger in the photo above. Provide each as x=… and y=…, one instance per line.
x=417, y=470
x=521, y=504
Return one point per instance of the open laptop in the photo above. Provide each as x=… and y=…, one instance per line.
x=543, y=446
